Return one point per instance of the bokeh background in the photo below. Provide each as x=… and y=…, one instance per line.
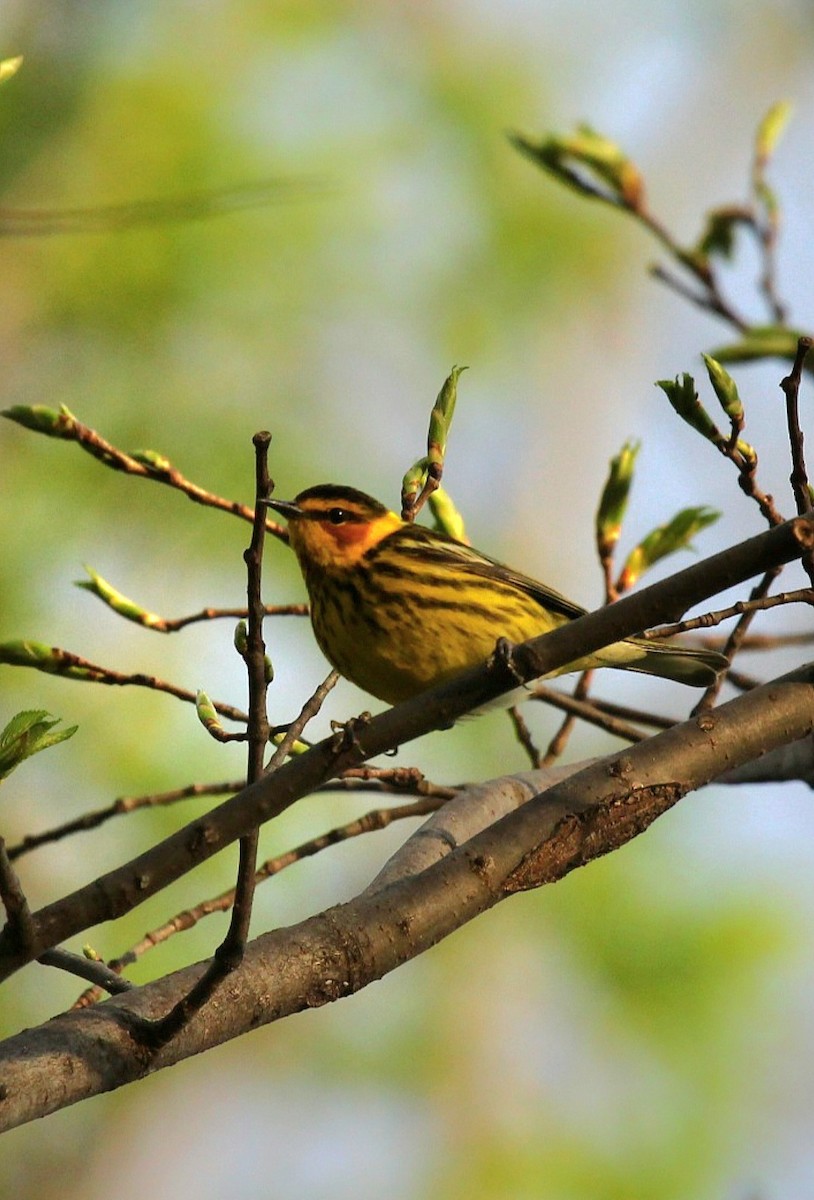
x=643, y=1029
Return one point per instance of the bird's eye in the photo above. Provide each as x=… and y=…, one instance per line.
x=337, y=515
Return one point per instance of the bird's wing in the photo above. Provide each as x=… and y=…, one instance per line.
x=434, y=547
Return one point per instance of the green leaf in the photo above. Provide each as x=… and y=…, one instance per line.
x=27, y=733
x=665, y=539
x=761, y=341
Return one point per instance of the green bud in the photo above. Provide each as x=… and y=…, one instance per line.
x=441, y=417
x=241, y=638
x=27, y=733
x=50, y=659
x=42, y=419
x=268, y=669
x=614, y=498
x=725, y=389
x=152, y=459
x=207, y=714
x=30, y=654
x=446, y=516
x=120, y=603
x=747, y=452
x=412, y=482
x=297, y=748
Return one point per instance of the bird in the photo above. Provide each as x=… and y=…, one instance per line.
x=398, y=608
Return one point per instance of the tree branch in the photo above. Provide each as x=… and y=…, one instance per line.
x=542, y=837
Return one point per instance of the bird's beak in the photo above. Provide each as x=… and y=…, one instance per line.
x=286, y=507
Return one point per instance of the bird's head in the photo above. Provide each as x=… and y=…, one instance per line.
x=331, y=527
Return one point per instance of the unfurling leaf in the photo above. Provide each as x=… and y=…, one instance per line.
x=614, y=498
x=761, y=341
x=718, y=236
x=683, y=397
x=666, y=539
x=589, y=163
x=27, y=733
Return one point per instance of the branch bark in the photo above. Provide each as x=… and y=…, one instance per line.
x=514, y=838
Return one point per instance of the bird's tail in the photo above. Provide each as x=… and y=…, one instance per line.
x=683, y=664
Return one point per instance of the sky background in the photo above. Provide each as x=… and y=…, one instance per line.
x=642, y=1029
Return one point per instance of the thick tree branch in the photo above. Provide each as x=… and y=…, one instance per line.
x=337, y=952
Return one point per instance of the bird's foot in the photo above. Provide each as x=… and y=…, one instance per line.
x=346, y=733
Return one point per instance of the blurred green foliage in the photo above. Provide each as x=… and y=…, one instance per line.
x=595, y=1040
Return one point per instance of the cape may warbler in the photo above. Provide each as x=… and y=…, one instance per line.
x=397, y=608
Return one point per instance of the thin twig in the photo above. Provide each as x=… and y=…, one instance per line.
x=733, y=642
x=171, y=625
x=146, y=465
x=707, y=620
x=396, y=780
x=765, y=224
x=599, y=713
x=103, y=978
x=54, y=661
x=762, y=641
x=229, y=953
x=560, y=739
x=119, y=807
x=19, y=918
x=134, y=214
x=799, y=476
x=523, y=735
